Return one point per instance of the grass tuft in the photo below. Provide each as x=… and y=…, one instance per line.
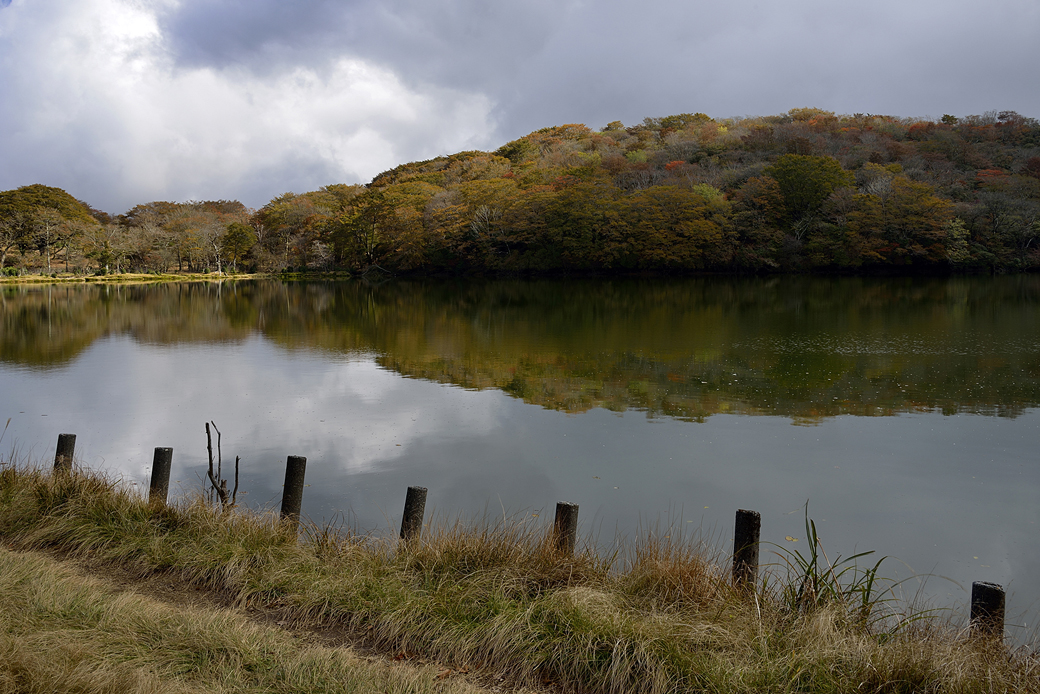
x=494, y=597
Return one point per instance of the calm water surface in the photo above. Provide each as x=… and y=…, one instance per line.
x=906, y=413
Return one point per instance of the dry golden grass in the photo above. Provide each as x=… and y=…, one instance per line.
x=659, y=617
x=63, y=632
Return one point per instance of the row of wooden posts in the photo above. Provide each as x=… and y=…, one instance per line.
x=987, y=599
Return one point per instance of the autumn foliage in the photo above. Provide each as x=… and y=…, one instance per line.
x=807, y=190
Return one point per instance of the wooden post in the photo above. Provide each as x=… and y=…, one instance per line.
x=63, y=454
x=987, y=609
x=745, y=548
x=565, y=530
x=159, y=486
x=414, y=508
x=292, y=490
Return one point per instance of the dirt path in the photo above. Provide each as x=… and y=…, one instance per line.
x=171, y=589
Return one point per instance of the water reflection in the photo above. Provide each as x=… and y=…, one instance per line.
x=506, y=397
x=805, y=348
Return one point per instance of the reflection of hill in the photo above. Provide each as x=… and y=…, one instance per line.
x=800, y=347
x=805, y=348
x=48, y=326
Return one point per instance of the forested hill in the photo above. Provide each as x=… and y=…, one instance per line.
x=807, y=190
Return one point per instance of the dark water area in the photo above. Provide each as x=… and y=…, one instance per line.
x=904, y=412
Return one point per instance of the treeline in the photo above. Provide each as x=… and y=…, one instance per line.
x=807, y=190
x=44, y=229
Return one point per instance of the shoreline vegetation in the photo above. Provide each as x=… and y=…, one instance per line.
x=160, y=277
x=807, y=191
x=493, y=598
x=129, y=278
x=179, y=277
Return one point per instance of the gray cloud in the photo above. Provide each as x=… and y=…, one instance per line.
x=544, y=63
x=122, y=102
x=748, y=57
x=466, y=44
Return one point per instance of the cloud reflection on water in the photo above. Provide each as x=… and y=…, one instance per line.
x=381, y=388
x=933, y=490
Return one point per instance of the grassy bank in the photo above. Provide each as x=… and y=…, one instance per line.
x=659, y=618
x=64, y=632
x=152, y=278
x=127, y=278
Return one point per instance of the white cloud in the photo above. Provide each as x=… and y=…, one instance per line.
x=122, y=102
x=97, y=105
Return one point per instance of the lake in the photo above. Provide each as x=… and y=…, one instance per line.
x=904, y=412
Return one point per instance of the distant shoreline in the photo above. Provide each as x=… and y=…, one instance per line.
x=575, y=274
x=136, y=278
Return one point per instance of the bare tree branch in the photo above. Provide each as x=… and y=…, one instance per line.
x=219, y=485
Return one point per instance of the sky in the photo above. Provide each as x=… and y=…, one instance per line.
x=122, y=102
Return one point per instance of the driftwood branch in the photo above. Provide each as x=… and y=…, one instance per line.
x=219, y=484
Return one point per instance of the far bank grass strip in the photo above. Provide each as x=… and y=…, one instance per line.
x=660, y=619
x=129, y=278
x=62, y=632
x=170, y=277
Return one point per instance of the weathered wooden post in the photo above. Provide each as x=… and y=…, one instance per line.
x=745, y=548
x=987, y=609
x=292, y=490
x=159, y=486
x=565, y=529
x=414, y=508
x=63, y=453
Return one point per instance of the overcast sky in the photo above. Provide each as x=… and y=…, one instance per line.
x=127, y=101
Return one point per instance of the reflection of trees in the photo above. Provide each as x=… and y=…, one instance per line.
x=47, y=326
x=800, y=347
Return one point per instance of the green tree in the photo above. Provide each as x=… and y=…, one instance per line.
x=758, y=215
x=30, y=199
x=957, y=236
x=39, y=217
x=670, y=227
x=48, y=227
x=283, y=217
x=902, y=224
x=358, y=232
x=237, y=241
x=806, y=181
x=578, y=226
x=15, y=225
